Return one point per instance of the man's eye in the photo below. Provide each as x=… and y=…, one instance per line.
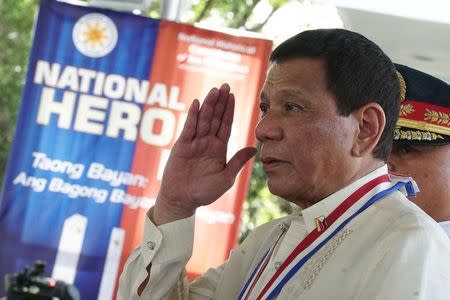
x=264, y=108
x=292, y=106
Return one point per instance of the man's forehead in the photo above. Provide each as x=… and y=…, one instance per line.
x=293, y=78
x=271, y=90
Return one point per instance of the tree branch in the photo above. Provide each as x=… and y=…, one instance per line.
x=243, y=19
x=259, y=26
x=203, y=12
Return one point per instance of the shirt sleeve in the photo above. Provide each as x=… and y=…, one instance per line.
x=411, y=262
x=156, y=269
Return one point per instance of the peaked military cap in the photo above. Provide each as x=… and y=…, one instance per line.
x=425, y=109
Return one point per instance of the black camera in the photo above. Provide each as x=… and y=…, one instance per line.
x=34, y=285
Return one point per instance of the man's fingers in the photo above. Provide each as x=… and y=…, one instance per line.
x=227, y=120
x=206, y=112
x=190, y=125
x=238, y=161
x=219, y=108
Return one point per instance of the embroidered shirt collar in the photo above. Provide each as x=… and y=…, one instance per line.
x=324, y=207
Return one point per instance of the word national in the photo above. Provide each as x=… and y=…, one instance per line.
x=97, y=103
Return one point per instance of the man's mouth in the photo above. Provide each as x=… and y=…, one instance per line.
x=269, y=163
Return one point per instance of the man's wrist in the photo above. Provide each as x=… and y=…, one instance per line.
x=162, y=213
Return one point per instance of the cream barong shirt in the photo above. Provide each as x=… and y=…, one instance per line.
x=392, y=250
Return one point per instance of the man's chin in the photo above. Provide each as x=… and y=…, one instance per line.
x=279, y=188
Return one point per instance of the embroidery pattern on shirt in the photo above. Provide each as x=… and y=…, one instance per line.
x=314, y=267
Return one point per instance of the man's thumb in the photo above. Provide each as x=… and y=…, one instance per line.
x=238, y=161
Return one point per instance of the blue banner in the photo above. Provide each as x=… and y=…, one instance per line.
x=106, y=95
x=74, y=144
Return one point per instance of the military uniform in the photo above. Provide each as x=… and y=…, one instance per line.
x=424, y=113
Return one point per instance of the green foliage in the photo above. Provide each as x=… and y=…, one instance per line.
x=16, y=21
x=235, y=13
x=154, y=11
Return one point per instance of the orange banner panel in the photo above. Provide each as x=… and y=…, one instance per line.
x=188, y=62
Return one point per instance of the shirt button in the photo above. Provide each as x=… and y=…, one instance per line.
x=151, y=245
x=277, y=265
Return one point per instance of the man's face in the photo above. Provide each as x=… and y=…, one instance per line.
x=430, y=168
x=306, y=144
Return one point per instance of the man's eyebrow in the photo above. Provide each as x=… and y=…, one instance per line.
x=286, y=93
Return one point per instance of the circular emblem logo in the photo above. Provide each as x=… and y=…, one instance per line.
x=94, y=35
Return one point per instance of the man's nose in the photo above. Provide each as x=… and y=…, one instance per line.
x=268, y=129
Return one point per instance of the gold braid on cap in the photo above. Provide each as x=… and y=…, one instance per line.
x=402, y=86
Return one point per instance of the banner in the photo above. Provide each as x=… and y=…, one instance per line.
x=105, y=98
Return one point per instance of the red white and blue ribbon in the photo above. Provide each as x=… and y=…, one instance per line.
x=410, y=188
x=250, y=284
x=358, y=201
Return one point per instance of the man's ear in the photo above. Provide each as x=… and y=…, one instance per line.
x=371, y=120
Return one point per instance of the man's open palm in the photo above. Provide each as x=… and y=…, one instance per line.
x=197, y=172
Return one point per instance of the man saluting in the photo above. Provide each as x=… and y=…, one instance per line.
x=328, y=111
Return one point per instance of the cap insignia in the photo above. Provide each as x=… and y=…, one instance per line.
x=402, y=86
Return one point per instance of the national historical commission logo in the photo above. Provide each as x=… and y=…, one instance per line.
x=94, y=35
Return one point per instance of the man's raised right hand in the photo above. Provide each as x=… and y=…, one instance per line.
x=197, y=172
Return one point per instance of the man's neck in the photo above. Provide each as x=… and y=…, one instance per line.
x=348, y=180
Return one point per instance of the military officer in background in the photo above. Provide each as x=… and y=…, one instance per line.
x=422, y=141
